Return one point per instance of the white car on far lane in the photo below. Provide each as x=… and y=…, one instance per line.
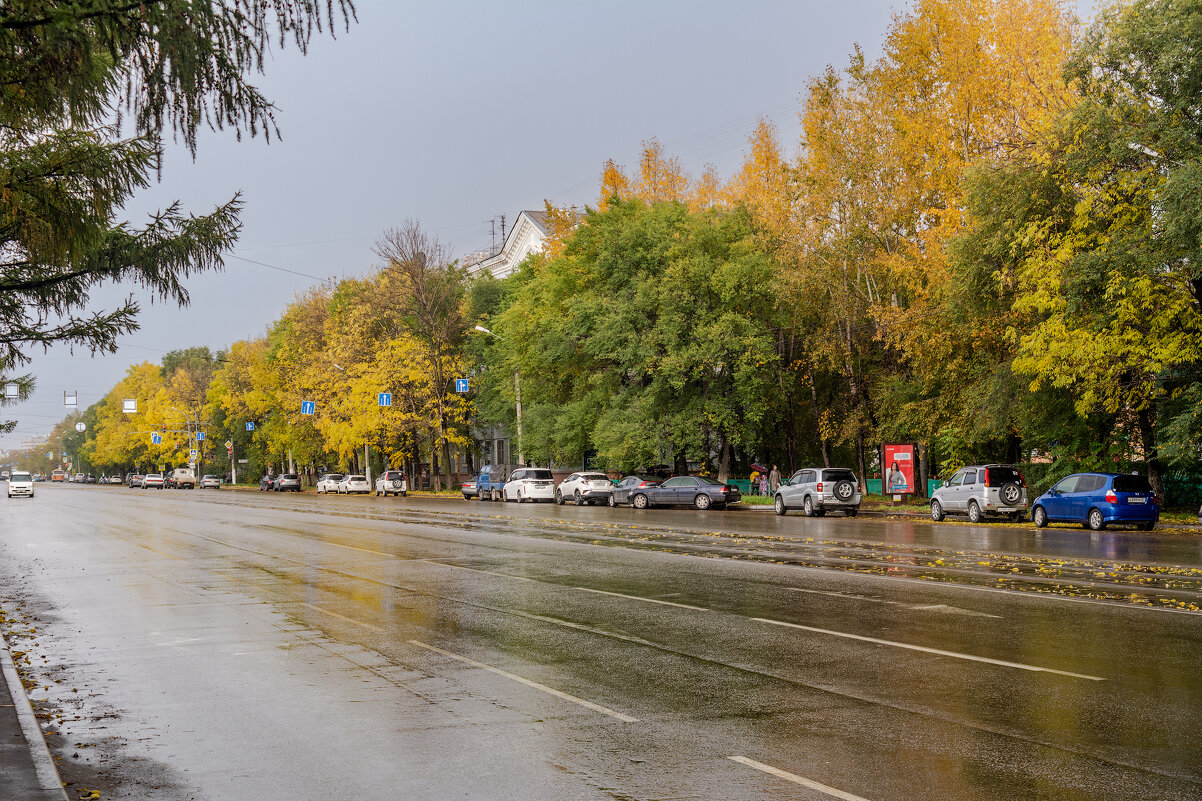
x=530, y=484
x=350, y=484
x=584, y=487
x=328, y=483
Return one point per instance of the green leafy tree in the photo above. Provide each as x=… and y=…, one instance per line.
x=72, y=75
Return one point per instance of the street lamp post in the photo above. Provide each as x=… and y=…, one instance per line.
x=517, y=390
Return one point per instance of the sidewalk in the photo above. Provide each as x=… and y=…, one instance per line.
x=27, y=771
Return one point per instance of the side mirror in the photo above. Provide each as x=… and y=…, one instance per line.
x=946, y=482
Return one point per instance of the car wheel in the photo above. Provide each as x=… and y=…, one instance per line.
x=640, y=501
x=559, y=497
x=808, y=506
x=1011, y=494
x=974, y=512
x=1096, y=523
x=844, y=490
x=1040, y=517
x=576, y=498
x=1016, y=517
x=852, y=512
x=1147, y=526
x=779, y=506
x=612, y=502
x=937, y=511
x=702, y=502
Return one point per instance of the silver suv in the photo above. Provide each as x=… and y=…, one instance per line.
x=980, y=490
x=817, y=490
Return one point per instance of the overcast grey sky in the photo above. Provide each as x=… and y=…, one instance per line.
x=452, y=113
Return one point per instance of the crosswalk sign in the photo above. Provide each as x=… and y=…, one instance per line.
x=156, y=438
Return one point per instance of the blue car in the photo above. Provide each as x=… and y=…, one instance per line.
x=1098, y=499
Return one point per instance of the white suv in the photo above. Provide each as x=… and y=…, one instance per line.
x=530, y=484
x=582, y=488
x=20, y=484
x=392, y=482
x=818, y=490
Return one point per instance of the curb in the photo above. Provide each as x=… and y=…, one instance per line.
x=51, y=784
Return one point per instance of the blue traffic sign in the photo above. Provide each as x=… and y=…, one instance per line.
x=308, y=407
x=385, y=398
x=461, y=385
x=200, y=436
x=250, y=426
x=156, y=438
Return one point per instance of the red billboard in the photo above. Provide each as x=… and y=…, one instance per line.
x=899, y=470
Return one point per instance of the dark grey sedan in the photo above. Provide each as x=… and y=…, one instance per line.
x=624, y=490
x=697, y=491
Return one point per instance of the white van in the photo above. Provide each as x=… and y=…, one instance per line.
x=183, y=478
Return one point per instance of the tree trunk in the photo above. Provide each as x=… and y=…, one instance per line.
x=826, y=457
x=724, y=459
x=860, y=455
x=923, y=470
x=1147, y=440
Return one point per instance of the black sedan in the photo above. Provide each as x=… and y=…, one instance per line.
x=697, y=491
x=624, y=490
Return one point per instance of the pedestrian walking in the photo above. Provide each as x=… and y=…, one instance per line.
x=774, y=479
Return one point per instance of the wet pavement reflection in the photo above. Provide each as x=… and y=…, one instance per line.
x=237, y=644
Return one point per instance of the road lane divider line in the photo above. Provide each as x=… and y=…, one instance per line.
x=342, y=617
x=473, y=569
x=927, y=650
x=641, y=598
x=529, y=683
x=793, y=777
x=851, y=596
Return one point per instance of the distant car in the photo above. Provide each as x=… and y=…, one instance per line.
x=38, y=477
x=352, y=484
x=21, y=485
x=267, y=483
x=116, y=480
x=182, y=478
x=210, y=482
x=982, y=490
x=697, y=491
x=133, y=480
x=469, y=490
x=286, y=482
x=530, y=484
x=1096, y=500
x=818, y=490
x=89, y=479
x=584, y=487
x=624, y=490
x=153, y=481
x=328, y=483
x=490, y=481
x=392, y=482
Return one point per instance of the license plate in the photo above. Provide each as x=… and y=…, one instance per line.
x=1137, y=500
x=1006, y=509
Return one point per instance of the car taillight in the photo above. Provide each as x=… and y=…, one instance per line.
x=1111, y=497
x=1022, y=482
x=987, y=484
x=820, y=486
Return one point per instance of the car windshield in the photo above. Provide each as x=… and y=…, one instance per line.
x=1131, y=484
x=593, y=477
x=21, y=477
x=709, y=481
x=356, y=478
x=541, y=474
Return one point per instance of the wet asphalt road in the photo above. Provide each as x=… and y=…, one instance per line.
x=230, y=645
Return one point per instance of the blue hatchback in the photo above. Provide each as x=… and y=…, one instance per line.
x=1096, y=499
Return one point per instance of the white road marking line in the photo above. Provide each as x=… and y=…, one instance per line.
x=851, y=596
x=926, y=650
x=474, y=570
x=793, y=777
x=544, y=688
x=341, y=617
x=640, y=598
